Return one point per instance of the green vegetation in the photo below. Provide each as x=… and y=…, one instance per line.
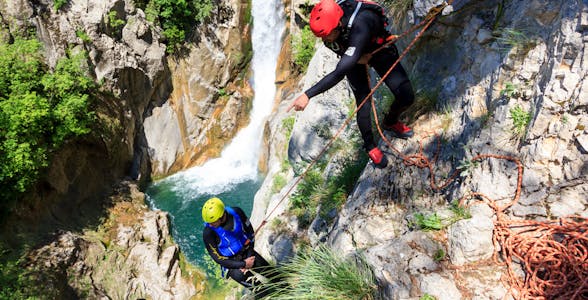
x=303, y=203
x=397, y=9
x=459, y=212
x=222, y=92
x=288, y=125
x=510, y=90
x=58, y=4
x=427, y=297
x=114, y=21
x=425, y=101
x=382, y=104
x=83, y=36
x=16, y=282
x=439, y=255
x=278, y=183
x=303, y=48
x=434, y=222
x=428, y=222
x=323, y=274
x=509, y=38
x=315, y=191
x=520, y=119
x=176, y=17
x=466, y=166
x=323, y=130
x=39, y=111
x=446, y=118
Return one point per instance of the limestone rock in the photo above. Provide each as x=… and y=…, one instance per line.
x=209, y=101
x=470, y=240
x=477, y=80
x=440, y=287
x=141, y=262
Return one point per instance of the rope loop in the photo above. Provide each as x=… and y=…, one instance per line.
x=553, y=254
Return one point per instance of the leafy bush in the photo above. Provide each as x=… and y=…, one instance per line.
x=288, y=125
x=520, y=119
x=114, y=21
x=58, y=4
x=176, y=17
x=39, y=111
x=427, y=297
x=434, y=222
x=510, y=90
x=329, y=193
x=304, y=202
x=15, y=281
x=278, y=183
x=303, y=48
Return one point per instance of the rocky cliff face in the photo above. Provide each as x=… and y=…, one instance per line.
x=129, y=63
x=139, y=87
x=211, y=97
x=483, y=65
x=129, y=257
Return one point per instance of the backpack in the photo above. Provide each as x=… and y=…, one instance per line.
x=350, y=10
x=352, y=7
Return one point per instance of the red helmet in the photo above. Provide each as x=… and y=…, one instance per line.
x=325, y=17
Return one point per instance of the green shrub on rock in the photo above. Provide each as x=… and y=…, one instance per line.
x=40, y=109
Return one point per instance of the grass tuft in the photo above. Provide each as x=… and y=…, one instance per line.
x=323, y=274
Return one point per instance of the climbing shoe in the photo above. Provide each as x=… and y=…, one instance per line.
x=378, y=158
x=399, y=130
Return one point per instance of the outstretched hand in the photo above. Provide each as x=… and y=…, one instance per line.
x=299, y=103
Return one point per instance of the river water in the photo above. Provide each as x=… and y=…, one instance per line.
x=234, y=176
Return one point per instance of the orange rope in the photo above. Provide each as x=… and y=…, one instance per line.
x=554, y=254
x=427, y=22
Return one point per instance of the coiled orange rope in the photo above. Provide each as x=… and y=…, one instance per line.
x=552, y=254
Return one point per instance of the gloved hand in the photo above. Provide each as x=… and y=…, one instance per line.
x=249, y=262
x=392, y=37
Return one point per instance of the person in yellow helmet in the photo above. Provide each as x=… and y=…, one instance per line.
x=228, y=237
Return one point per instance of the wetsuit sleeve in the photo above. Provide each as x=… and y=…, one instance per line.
x=211, y=241
x=248, y=228
x=360, y=36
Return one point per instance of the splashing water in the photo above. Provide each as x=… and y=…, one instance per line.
x=234, y=176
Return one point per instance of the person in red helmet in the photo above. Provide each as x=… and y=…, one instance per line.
x=354, y=29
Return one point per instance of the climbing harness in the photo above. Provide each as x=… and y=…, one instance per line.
x=424, y=24
x=553, y=254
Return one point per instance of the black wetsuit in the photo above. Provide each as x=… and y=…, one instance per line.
x=351, y=45
x=235, y=263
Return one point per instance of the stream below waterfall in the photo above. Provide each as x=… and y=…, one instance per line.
x=234, y=176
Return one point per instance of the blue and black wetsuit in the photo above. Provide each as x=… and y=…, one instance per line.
x=364, y=36
x=231, y=243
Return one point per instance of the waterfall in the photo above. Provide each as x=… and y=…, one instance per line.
x=238, y=161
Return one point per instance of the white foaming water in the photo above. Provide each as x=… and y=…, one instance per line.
x=238, y=161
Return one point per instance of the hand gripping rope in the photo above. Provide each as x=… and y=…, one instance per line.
x=553, y=254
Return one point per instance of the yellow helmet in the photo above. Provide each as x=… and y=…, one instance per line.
x=213, y=210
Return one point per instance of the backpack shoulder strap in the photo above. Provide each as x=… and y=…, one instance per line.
x=345, y=4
